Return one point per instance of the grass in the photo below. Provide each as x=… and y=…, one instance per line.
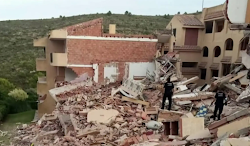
x=10, y=123
x=17, y=54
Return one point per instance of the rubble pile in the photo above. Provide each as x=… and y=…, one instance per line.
x=85, y=116
x=90, y=114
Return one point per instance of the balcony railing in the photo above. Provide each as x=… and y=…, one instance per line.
x=58, y=59
x=40, y=64
x=59, y=34
x=41, y=86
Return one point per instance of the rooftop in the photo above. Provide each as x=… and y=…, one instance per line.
x=189, y=20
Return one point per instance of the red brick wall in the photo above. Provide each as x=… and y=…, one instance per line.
x=89, y=28
x=87, y=52
x=98, y=51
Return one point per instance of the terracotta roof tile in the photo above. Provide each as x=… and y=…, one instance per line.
x=189, y=20
x=187, y=48
x=215, y=66
x=226, y=59
x=202, y=65
x=213, y=15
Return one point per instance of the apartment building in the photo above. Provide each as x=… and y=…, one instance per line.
x=84, y=48
x=206, y=44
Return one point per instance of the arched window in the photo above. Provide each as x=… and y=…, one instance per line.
x=229, y=44
x=205, y=52
x=217, y=51
x=244, y=43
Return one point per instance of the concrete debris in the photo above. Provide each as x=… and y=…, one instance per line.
x=91, y=114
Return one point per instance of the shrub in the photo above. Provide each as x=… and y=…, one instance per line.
x=18, y=94
x=3, y=111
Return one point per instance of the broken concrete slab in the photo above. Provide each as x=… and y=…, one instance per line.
x=203, y=134
x=244, y=96
x=173, y=143
x=190, y=125
x=102, y=116
x=191, y=80
x=242, y=141
x=169, y=116
x=234, y=126
x=67, y=88
x=239, y=76
x=233, y=88
x=245, y=59
x=180, y=103
x=193, y=96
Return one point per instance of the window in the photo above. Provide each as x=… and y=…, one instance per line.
x=189, y=64
x=229, y=44
x=205, y=52
x=226, y=69
x=244, y=43
x=174, y=32
x=203, y=74
x=217, y=51
x=44, y=50
x=51, y=58
x=209, y=26
x=219, y=25
x=215, y=73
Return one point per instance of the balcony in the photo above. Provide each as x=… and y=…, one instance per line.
x=41, y=42
x=41, y=86
x=40, y=64
x=58, y=59
x=59, y=34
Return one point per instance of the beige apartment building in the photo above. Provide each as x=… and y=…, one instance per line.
x=206, y=44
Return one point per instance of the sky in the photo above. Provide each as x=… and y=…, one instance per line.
x=38, y=9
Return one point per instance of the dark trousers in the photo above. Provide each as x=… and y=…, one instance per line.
x=169, y=96
x=220, y=108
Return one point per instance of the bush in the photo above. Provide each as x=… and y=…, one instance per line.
x=18, y=94
x=3, y=111
x=5, y=87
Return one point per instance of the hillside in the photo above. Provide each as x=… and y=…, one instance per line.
x=17, y=55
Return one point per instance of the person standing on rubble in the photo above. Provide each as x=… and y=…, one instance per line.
x=169, y=87
x=221, y=99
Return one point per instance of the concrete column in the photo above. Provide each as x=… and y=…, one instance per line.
x=178, y=66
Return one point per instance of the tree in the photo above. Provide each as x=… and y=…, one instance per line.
x=18, y=94
x=166, y=16
x=129, y=14
x=126, y=13
x=179, y=13
x=5, y=87
x=109, y=13
x=185, y=13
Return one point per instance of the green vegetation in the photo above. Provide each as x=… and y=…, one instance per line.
x=15, y=100
x=17, y=54
x=10, y=123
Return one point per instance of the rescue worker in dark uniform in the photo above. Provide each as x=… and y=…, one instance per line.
x=221, y=99
x=169, y=86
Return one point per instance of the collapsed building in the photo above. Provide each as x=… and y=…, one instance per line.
x=84, y=48
x=86, y=104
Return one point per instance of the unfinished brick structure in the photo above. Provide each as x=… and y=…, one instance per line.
x=83, y=48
